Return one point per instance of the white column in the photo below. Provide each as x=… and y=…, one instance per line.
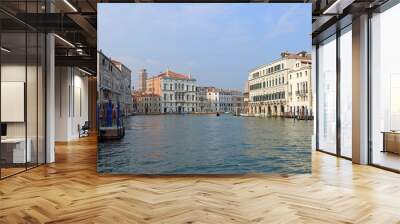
x=50, y=98
x=360, y=90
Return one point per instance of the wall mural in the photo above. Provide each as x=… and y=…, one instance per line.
x=204, y=88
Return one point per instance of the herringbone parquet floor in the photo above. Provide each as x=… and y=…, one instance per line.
x=70, y=191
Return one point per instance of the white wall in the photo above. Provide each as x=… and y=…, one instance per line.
x=80, y=94
x=71, y=87
x=61, y=103
x=13, y=73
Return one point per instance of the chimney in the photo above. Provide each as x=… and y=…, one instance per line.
x=302, y=53
x=284, y=54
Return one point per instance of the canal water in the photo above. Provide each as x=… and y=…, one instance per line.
x=207, y=144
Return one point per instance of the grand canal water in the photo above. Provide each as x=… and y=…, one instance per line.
x=207, y=144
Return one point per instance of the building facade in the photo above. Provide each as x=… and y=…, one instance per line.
x=124, y=76
x=146, y=103
x=177, y=91
x=246, y=99
x=237, y=103
x=268, y=85
x=225, y=100
x=299, y=92
x=114, y=83
x=203, y=104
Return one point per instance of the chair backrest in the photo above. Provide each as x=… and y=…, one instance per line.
x=86, y=125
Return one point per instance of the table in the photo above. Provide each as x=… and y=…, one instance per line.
x=16, y=147
x=391, y=141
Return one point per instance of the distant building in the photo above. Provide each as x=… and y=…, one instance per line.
x=125, y=79
x=177, y=91
x=203, y=104
x=300, y=91
x=269, y=85
x=142, y=80
x=224, y=100
x=246, y=98
x=114, y=83
x=237, y=103
x=146, y=103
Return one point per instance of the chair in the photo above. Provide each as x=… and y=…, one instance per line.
x=84, y=130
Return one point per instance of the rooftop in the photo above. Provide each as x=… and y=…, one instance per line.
x=287, y=55
x=221, y=90
x=144, y=94
x=174, y=75
x=119, y=65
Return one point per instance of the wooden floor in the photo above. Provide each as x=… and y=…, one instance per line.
x=387, y=159
x=8, y=171
x=70, y=191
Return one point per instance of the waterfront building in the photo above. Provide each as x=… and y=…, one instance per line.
x=237, y=103
x=246, y=99
x=146, y=103
x=299, y=93
x=213, y=96
x=225, y=100
x=268, y=85
x=203, y=104
x=125, y=80
x=142, y=80
x=177, y=91
x=114, y=83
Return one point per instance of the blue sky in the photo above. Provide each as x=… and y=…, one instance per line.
x=217, y=43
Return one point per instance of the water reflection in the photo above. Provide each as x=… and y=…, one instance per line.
x=192, y=144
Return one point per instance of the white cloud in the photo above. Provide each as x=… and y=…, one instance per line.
x=287, y=23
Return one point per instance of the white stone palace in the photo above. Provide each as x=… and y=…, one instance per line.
x=282, y=87
x=177, y=91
